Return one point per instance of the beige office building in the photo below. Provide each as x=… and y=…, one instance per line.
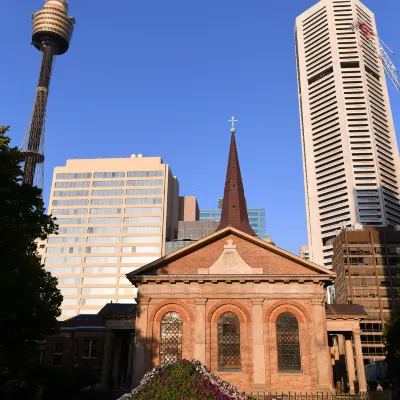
x=114, y=215
x=350, y=153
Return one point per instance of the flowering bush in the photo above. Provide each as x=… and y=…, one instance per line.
x=184, y=380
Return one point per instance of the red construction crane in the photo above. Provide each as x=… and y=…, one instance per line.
x=388, y=65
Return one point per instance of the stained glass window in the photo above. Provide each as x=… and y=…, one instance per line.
x=287, y=336
x=228, y=341
x=171, y=338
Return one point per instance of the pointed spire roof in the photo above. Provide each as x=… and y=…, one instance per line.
x=234, y=210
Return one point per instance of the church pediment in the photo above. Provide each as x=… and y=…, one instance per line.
x=232, y=252
x=230, y=263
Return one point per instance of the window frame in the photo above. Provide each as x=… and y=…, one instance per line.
x=220, y=332
x=93, y=346
x=162, y=353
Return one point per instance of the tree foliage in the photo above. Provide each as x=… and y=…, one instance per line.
x=29, y=298
x=392, y=337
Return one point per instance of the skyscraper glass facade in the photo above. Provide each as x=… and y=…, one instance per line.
x=256, y=218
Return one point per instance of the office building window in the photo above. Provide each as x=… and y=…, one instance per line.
x=94, y=302
x=101, y=260
x=68, y=291
x=69, y=302
x=141, y=249
x=71, y=202
x=72, y=221
x=57, y=240
x=103, y=239
x=62, y=260
x=98, y=290
x=99, y=281
x=69, y=211
x=71, y=193
x=113, y=192
x=64, y=270
x=105, y=220
x=143, y=210
x=142, y=229
x=144, y=174
x=100, y=270
x=72, y=184
x=90, y=348
x=66, y=231
x=141, y=239
x=141, y=220
x=144, y=192
x=149, y=182
x=103, y=249
x=137, y=260
x=105, y=210
x=109, y=175
x=104, y=229
x=149, y=200
x=77, y=175
x=61, y=250
x=108, y=183
x=106, y=202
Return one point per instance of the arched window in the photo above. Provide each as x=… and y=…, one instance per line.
x=228, y=341
x=171, y=338
x=287, y=336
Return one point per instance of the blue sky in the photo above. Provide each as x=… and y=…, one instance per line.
x=162, y=78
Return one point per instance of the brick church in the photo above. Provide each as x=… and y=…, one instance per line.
x=255, y=314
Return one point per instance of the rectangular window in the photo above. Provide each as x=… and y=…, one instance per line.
x=105, y=210
x=62, y=260
x=141, y=249
x=69, y=281
x=94, y=302
x=101, y=260
x=138, y=260
x=149, y=182
x=148, y=200
x=141, y=239
x=76, y=175
x=105, y=220
x=144, y=192
x=69, y=211
x=106, y=202
x=109, y=175
x=99, y=281
x=57, y=240
x=108, y=183
x=102, y=249
x=72, y=221
x=126, y=281
x=69, y=302
x=144, y=174
x=64, y=185
x=104, y=229
x=64, y=270
x=71, y=193
x=100, y=270
x=61, y=250
x=113, y=192
x=96, y=291
x=68, y=291
x=141, y=220
x=71, y=202
x=90, y=348
x=65, y=231
x=103, y=239
x=58, y=353
x=143, y=210
x=142, y=229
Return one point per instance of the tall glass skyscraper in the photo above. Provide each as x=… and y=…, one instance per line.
x=256, y=218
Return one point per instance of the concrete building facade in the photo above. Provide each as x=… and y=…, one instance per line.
x=114, y=216
x=366, y=264
x=304, y=252
x=350, y=152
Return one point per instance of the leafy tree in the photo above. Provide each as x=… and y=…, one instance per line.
x=392, y=336
x=29, y=298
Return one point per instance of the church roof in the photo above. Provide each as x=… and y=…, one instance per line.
x=234, y=210
x=168, y=259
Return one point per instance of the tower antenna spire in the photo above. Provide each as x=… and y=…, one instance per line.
x=51, y=34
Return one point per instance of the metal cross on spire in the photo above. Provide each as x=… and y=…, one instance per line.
x=233, y=120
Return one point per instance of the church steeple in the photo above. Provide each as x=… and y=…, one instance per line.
x=234, y=210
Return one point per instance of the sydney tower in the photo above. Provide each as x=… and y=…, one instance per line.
x=51, y=34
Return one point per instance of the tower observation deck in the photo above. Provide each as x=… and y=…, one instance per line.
x=51, y=34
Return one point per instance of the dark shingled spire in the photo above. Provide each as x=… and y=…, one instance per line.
x=234, y=210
